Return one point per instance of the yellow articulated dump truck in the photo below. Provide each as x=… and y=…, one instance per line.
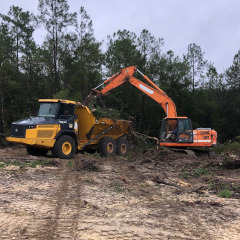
x=64, y=126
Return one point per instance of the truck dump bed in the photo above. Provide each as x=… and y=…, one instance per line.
x=92, y=129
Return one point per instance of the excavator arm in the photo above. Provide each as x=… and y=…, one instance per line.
x=153, y=91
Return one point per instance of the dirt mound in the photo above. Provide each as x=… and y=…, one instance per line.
x=162, y=155
x=167, y=157
x=231, y=163
x=87, y=164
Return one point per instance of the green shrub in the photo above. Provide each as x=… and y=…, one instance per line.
x=237, y=139
x=200, y=172
x=107, y=113
x=225, y=193
x=129, y=158
x=233, y=147
x=140, y=143
x=196, y=173
x=70, y=164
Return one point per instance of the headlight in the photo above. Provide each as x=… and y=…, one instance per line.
x=31, y=126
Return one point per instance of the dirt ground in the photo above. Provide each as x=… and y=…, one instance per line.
x=160, y=194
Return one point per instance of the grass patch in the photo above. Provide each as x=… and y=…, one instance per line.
x=223, y=189
x=2, y=165
x=70, y=164
x=35, y=163
x=201, y=172
x=90, y=181
x=95, y=154
x=32, y=163
x=196, y=173
x=117, y=187
x=225, y=193
x=128, y=158
x=186, y=175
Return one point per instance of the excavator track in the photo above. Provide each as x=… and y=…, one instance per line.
x=195, y=152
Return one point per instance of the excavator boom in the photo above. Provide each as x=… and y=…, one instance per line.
x=126, y=75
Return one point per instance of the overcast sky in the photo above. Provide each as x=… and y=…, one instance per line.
x=212, y=24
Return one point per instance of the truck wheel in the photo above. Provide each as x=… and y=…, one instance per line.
x=64, y=147
x=122, y=146
x=107, y=146
x=36, y=151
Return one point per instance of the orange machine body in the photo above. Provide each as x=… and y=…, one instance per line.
x=185, y=135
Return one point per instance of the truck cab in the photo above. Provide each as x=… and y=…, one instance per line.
x=55, y=118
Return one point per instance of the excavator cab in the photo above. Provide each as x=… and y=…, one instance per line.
x=176, y=130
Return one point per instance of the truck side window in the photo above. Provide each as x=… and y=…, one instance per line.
x=66, y=111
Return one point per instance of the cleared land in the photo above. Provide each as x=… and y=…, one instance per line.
x=159, y=194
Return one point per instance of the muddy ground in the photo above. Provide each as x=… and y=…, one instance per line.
x=159, y=194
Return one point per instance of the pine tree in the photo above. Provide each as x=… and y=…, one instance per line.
x=16, y=46
x=150, y=51
x=88, y=57
x=197, y=64
x=55, y=17
x=233, y=73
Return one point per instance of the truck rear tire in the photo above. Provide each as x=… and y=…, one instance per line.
x=107, y=146
x=36, y=151
x=64, y=147
x=122, y=147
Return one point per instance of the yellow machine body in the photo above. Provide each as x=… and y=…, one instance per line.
x=42, y=136
x=86, y=129
x=91, y=127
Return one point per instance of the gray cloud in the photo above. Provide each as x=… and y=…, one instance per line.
x=212, y=24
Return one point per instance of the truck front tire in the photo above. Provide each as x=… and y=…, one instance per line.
x=107, y=146
x=64, y=147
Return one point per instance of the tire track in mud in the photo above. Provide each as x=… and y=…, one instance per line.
x=60, y=219
x=40, y=203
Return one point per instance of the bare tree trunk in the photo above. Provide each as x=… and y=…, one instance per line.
x=2, y=130
x=142, y=113
x=57, y=84
x=193, y=77
x=55, y=61
x=17, y=55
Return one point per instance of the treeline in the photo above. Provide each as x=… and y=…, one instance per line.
x=71, y=61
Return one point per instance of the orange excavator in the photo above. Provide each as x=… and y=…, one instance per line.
x=175, y=131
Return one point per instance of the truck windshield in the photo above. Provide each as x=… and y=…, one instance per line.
x=47, y=110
